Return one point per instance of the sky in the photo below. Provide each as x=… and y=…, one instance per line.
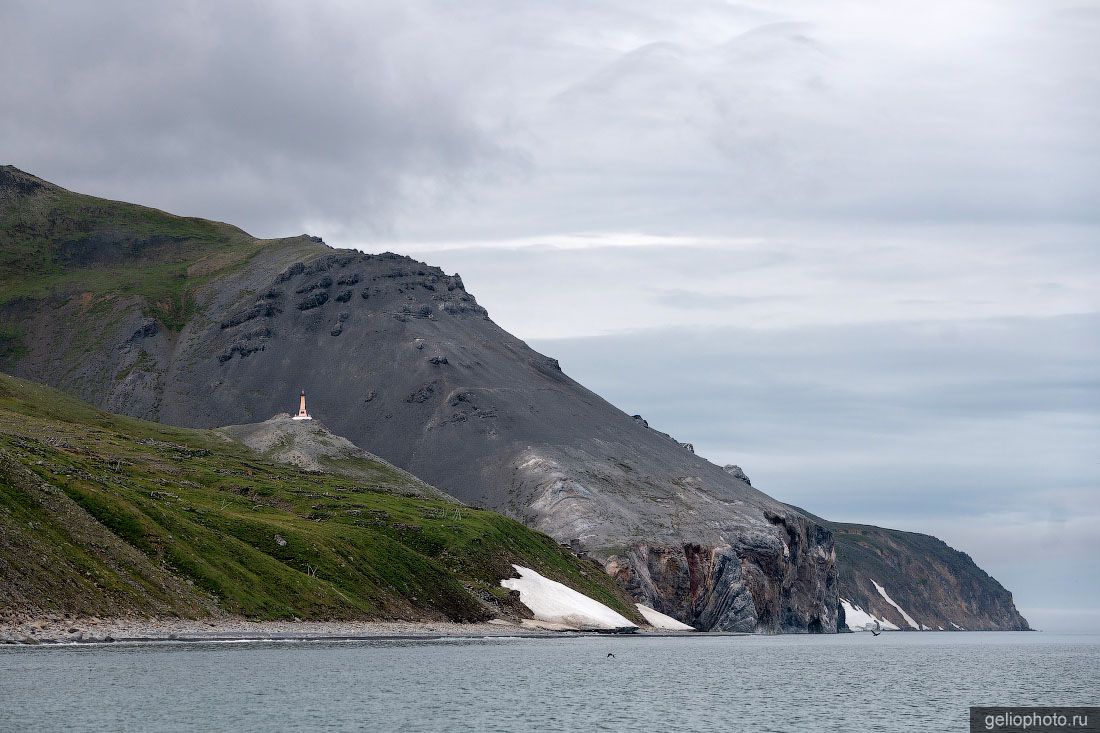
x=852, y=247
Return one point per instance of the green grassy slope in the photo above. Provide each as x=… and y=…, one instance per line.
x=54, y=242
x=109, y=515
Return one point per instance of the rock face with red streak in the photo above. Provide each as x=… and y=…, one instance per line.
x=750, y=586
x=704, y=548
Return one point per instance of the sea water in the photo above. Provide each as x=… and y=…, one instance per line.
x=849, y=682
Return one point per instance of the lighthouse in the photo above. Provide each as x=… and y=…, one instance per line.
x=302, y=414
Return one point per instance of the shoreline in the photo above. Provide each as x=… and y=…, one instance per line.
x=56, y=630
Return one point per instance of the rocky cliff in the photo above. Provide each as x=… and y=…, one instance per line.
x=194, y=323
x=938, y=587
x=916, y=582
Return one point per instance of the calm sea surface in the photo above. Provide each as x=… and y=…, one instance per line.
x=852, y=682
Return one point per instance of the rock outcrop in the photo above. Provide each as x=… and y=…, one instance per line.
x=311, y=446
x=736, y=472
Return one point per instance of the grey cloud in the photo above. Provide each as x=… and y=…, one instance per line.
x=435, y=120
x=688, y=300
x=273, y=116
x=801, y=278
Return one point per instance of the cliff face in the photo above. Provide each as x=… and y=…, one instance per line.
x=689, y=545
x=917, y=582
x=399, y=358
x=938, y=587
x=747, y=585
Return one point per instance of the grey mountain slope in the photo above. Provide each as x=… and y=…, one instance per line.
x=309, y=445
x=417, y=372
x=397, y=357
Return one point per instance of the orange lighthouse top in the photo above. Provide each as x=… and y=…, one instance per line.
x=302, y=414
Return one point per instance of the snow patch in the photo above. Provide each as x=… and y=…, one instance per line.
x=555, y=603
x=908, y=619
x=658, y=620
x=856, y=618
x=957, y=627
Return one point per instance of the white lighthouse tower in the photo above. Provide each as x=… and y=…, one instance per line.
x=302, y=414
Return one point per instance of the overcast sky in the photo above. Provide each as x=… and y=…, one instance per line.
x=853, y=247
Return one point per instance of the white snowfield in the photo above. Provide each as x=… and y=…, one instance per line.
x=856, y=618
x=553, y=602
x=658, y=620
x=908, y=619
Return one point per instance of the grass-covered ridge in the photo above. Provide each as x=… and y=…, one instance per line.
x=54, y=242
x=111, y=515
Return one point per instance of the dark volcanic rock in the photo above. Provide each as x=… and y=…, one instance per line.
x=296, y=269
x=324, y=282
x=16, y=183
x=319, y=298
x=239, y=318
x=736, y=472
x=147, y=330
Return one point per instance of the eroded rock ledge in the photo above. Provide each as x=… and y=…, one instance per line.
x=759, y=584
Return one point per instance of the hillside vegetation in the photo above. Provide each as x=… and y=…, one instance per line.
x=108, y=515
x=54, y=242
